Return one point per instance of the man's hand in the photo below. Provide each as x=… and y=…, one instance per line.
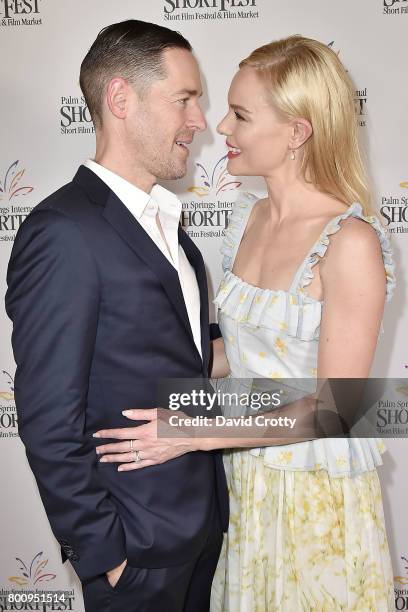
x=141, y=446
x=114, y=574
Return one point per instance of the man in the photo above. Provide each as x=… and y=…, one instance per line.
x=107, y=294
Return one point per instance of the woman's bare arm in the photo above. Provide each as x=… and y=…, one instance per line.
x=219, y=366
x=354, y=288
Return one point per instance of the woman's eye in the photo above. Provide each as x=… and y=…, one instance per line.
x=183, y=100
x=238, y=116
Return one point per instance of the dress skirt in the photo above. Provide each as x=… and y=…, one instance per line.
x=302, y=541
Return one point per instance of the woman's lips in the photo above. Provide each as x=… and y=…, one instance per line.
x=233, y=151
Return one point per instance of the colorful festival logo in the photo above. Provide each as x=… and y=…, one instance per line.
x=403, y=579
x=33, y=573
x=404, y=184
x=9, y=188
x=7, y=394
x=218, y=181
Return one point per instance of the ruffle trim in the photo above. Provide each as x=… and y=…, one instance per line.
x=233, y=232
x=239, y=212
x=339, y=457
x=290, y=314
x=319, y=249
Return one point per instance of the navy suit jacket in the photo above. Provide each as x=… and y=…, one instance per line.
x=98, y=316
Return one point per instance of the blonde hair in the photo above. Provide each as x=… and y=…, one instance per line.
x=306, y=79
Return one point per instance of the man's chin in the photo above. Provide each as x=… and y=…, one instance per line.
x=174, y=173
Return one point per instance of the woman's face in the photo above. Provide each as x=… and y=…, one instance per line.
x=257, y=138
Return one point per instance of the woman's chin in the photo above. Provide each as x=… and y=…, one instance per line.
x=234, y=167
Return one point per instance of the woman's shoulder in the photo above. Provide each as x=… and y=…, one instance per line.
x=357, y=235
x=362, y=242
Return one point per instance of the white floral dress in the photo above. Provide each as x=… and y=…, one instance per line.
x=307, y=525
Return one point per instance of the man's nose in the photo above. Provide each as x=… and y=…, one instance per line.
x=197, y=120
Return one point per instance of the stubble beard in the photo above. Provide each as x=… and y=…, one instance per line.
x=161, y=165
x=166, y=169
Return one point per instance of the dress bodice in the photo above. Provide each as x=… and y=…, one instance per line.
x=275, y=334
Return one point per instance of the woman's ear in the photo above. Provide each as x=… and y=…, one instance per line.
x=301, y=132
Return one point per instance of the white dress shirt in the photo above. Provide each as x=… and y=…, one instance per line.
x=145, y=207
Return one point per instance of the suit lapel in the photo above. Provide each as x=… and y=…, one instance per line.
x=196, y=260
x=123, y=222
x=131, y=231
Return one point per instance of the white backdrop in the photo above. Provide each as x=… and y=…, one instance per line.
x=46, y=134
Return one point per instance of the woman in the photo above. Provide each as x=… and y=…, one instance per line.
x=302, y=297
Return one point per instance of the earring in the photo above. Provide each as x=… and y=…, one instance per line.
x=293, y=155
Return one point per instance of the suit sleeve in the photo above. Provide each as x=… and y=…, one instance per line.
x=215, y=331
x=53, y=301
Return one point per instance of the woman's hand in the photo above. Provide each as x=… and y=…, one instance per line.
x=150, y=444
x=158, y=441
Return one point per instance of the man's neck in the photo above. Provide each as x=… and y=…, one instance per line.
x=119, y=163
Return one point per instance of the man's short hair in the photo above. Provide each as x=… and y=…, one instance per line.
x=130, y=49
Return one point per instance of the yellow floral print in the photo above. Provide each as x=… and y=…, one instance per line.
x=294, y=546
x=280, y=345
x=275, y=374
x=284, y=457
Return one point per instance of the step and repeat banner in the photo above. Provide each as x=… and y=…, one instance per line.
x=46, y=132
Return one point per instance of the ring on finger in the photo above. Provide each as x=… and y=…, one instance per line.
x=137, y=456
x=131, y=445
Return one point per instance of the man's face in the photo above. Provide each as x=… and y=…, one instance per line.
x=162, y=122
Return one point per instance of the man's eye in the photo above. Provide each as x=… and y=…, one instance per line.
x=183, y=100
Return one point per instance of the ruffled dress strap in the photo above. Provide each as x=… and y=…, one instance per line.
x=236, y=227
x=304, y=274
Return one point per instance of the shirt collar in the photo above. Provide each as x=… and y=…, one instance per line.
x=138, y=200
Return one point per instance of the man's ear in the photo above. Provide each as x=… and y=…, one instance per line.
x=301, y=132
x=117, y=93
